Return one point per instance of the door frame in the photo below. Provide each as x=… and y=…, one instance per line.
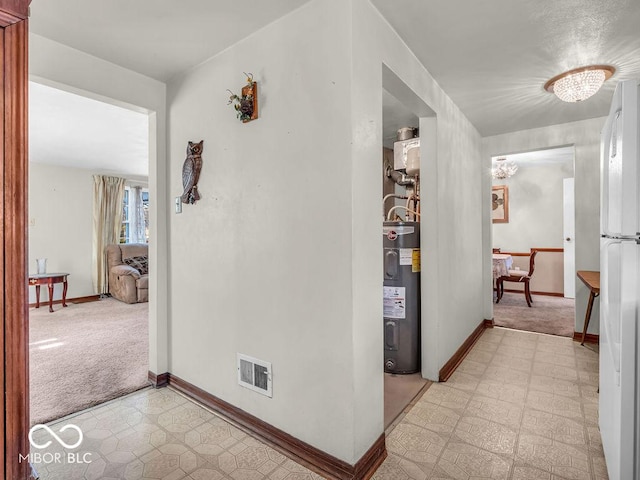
x=14, y=335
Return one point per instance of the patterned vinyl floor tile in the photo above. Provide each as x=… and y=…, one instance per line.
x=521, y=406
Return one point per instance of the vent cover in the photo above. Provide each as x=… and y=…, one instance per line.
x=254, y=374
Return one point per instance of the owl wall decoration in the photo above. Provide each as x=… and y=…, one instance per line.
x=191, y=172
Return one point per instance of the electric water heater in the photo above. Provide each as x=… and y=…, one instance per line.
x=401, y=300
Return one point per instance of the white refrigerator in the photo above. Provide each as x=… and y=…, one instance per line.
x=619, y=402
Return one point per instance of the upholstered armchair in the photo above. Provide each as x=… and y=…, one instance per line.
x=128, y=272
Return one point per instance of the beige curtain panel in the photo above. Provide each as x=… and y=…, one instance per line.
x=108, y=195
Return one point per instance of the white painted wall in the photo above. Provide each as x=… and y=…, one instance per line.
x=61, y=222
x=535, y=208
x=585, y=136
x=63, y=67
x=261, y=265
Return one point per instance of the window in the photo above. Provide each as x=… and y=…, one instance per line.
x=135, y=215
x=125, y=229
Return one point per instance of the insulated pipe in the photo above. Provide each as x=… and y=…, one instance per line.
x=387, y=197
x=400, y=206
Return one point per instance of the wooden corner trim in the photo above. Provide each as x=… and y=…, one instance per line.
x=589, y=338
x=489, y=323
x=371, y=460
x=315, y=459
x=159, y=380
x=447, y=370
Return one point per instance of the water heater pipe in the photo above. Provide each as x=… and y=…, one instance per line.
x=387, y=197
x=403, y=207
x=400, y=178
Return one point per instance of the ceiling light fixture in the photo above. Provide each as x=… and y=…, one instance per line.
x=580, y=83
x=503, y=169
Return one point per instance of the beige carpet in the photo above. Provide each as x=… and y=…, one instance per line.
x=552, y=315
x=85, y=354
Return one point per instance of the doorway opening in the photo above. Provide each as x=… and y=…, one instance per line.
x=533, y=220
x=408, y=146
x=97, y=345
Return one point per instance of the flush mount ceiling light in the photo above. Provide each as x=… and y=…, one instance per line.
x=580, y=83
x=503, y=169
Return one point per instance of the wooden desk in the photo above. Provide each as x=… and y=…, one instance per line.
x=49, y=279
x=591, y=280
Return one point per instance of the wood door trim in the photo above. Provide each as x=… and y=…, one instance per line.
x=15, y=364
x=13, y=11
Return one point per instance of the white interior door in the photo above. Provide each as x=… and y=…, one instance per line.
x=569, y=224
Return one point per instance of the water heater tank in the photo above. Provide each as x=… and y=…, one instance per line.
x=401, y=297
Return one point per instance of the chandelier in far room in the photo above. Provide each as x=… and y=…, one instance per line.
x=503, y=169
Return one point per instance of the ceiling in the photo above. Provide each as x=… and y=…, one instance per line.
x=74, y=131
x=158, y=38
x=492, y=57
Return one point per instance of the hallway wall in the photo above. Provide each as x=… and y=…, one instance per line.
x=261, y=265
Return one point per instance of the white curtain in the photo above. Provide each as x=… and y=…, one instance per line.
x=108, y=195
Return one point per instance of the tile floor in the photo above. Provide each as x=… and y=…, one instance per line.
x=159, y=434
x=521, y=406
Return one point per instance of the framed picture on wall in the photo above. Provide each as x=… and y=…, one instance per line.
x=500, y=204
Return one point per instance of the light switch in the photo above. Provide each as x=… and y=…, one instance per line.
x=178, y=205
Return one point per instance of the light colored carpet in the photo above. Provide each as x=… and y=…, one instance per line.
x=85, y=354
x=552, y=315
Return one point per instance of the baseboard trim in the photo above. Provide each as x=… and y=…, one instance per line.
x=159, y=380
x=489, y=323
x=548, y=294
x=313, y=458
x=447, y=370
x=589, y=338
x=87, y=299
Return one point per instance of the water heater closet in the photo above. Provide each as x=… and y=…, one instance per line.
x=401, y=242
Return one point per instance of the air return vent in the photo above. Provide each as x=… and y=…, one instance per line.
x=254, y=374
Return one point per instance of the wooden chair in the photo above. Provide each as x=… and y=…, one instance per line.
x=518, y=276
x=496, y=250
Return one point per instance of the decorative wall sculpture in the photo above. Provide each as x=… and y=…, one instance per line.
x=191, y=172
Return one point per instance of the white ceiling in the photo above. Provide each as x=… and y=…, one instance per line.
x=74, y=131
x=492, y=57
x=158, y=38
x=395, y=115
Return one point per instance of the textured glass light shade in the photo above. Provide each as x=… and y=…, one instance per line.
x=579, y=84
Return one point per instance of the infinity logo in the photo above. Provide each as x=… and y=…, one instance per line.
x=53, y=434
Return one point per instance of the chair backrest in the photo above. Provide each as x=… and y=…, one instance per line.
x=532, y=262
x=496, y=250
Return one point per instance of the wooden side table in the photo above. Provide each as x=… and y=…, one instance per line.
x=49, y=279
x=592, y=280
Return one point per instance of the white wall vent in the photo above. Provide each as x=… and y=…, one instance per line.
x=254, y=374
